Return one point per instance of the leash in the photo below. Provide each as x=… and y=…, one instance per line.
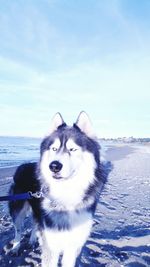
x=23, y=196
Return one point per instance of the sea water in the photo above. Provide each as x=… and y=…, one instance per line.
x=17, y=150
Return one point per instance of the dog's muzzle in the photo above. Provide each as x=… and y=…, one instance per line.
x=55, y=166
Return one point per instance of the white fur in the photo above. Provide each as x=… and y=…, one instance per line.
x=55, y=122
x=84, y=123
x=70, y=191
x=55, y=146
x=68, y=243
x=70, y=159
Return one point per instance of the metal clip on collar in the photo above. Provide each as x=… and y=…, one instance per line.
x=36, y=194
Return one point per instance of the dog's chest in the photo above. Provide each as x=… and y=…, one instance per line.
x=65, y=238
x=68, y=193
x=57, y=216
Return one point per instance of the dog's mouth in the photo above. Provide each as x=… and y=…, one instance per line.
x=58, y=176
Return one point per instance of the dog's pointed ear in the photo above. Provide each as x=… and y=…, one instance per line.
x=56, y=121
x=84, y=123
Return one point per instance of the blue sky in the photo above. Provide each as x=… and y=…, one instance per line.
x=68, y=56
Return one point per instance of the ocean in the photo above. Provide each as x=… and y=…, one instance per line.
x=18, y=150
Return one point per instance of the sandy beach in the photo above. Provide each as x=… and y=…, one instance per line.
x=7, y=172
x=121, y=230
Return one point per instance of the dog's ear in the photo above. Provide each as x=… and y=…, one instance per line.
x=56, y=121
x=84, y=123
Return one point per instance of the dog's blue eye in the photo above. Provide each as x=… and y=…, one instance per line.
x=72, y=149
x=54, y=149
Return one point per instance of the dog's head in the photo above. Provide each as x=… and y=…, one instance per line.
x=69, y=152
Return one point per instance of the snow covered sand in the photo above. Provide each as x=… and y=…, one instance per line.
x=121, y=232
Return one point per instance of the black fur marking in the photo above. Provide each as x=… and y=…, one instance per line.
x=58, y=220
x=25, y=179
x=64, y=125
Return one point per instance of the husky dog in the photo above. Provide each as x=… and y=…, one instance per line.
x=70, y=178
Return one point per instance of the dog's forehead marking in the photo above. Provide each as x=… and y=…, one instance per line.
x=56, y=143
x=71, y=143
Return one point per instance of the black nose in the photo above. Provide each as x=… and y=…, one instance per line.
x=55, y=166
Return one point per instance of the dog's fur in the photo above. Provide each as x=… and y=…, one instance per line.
x=70, y=178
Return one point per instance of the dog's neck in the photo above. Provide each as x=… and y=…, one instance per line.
x=54, y=204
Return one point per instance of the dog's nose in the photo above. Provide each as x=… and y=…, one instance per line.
x=55, y=166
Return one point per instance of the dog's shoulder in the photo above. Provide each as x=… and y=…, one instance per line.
x=26, y=176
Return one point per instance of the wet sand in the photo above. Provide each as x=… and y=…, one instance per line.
x=118, y=152
x=7, y=172
x=121, y=230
